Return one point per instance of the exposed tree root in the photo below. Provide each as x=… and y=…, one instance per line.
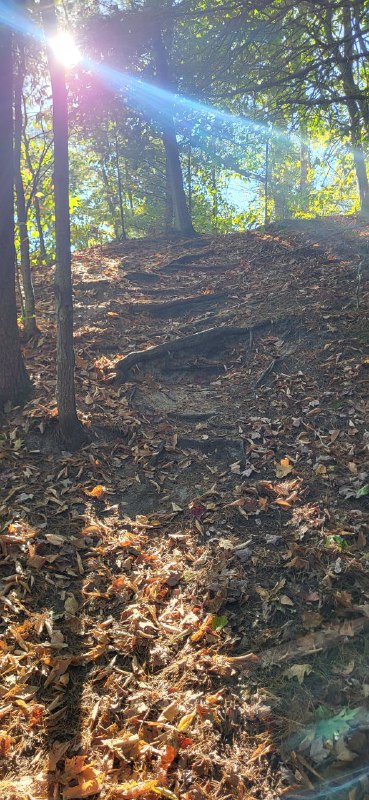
x=186, y=259
x=141, y=277
x=304, y=646
x=195, y=343
x=170, y=307
x=217, y=443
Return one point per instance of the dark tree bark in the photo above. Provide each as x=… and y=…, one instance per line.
x=70, y=428
x=29, y=318
x=168, y=223
x=189, y=178
x=14, y=382
x=182, y=218
x=214, y=205
x=357, y=108
x=266, y=183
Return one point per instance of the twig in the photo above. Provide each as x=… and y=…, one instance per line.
x=359, y=278
x=266, y=372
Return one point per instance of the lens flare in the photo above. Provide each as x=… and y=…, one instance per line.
x=65, y=49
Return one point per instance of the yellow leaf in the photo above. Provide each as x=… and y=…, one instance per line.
x=283, y=468
x=96, y=492
x=186, y=721
x=298, y=671
x=165, y=792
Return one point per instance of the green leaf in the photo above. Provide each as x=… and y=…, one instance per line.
x=363, y=490
x=219, y=622
x=335, y=540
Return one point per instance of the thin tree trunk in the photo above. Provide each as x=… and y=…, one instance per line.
x=33, y=198
x=128, y=187
x=29, y=319
x=361, y=174
x=43, y=253
x=189, y=178
x=266, y=184
x=109, y=198
x=14, y=382
x=168, y=204
x=70, y=427
x=120, y=188
x=182, y=218
x=214, y=207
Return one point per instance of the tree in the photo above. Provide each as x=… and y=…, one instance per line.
x=14, y=382
x=29, y=320
x=70, y=427
x=182, y=217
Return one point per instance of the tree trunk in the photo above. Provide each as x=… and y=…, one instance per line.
x=214, y=205
x=182, y=218
x=128, y=187
x=120, y=188
x=29, y=319
x=70, y=428
x=109, y=198
x=266, y=184
x=33, y=198
x=361, y=176
x=356, y=108
x=168, y=204
x=14, y=382
x=43, y=253
x=189, y=178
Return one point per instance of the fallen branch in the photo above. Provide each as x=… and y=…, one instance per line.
x=304, y=646
x=195, y=343
x=266, y=372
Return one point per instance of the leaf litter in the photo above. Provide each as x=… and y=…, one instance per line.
x=185, y=600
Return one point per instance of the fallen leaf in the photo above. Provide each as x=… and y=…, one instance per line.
x=186, y=721
x=298, y=671
x=283, y=468
x=97, y=492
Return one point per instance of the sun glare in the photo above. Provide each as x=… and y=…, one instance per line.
x=65, y=49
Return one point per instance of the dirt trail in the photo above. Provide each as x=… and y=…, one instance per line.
x=185, y=600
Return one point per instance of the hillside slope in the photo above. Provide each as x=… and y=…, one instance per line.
x=185, y=600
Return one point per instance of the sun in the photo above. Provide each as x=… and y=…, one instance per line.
x=65, y=49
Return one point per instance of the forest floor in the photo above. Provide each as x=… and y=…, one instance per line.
x=185, y=601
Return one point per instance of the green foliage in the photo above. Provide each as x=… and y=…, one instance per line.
x=276, y=68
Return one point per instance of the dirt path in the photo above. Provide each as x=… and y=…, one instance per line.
x=185, y=600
